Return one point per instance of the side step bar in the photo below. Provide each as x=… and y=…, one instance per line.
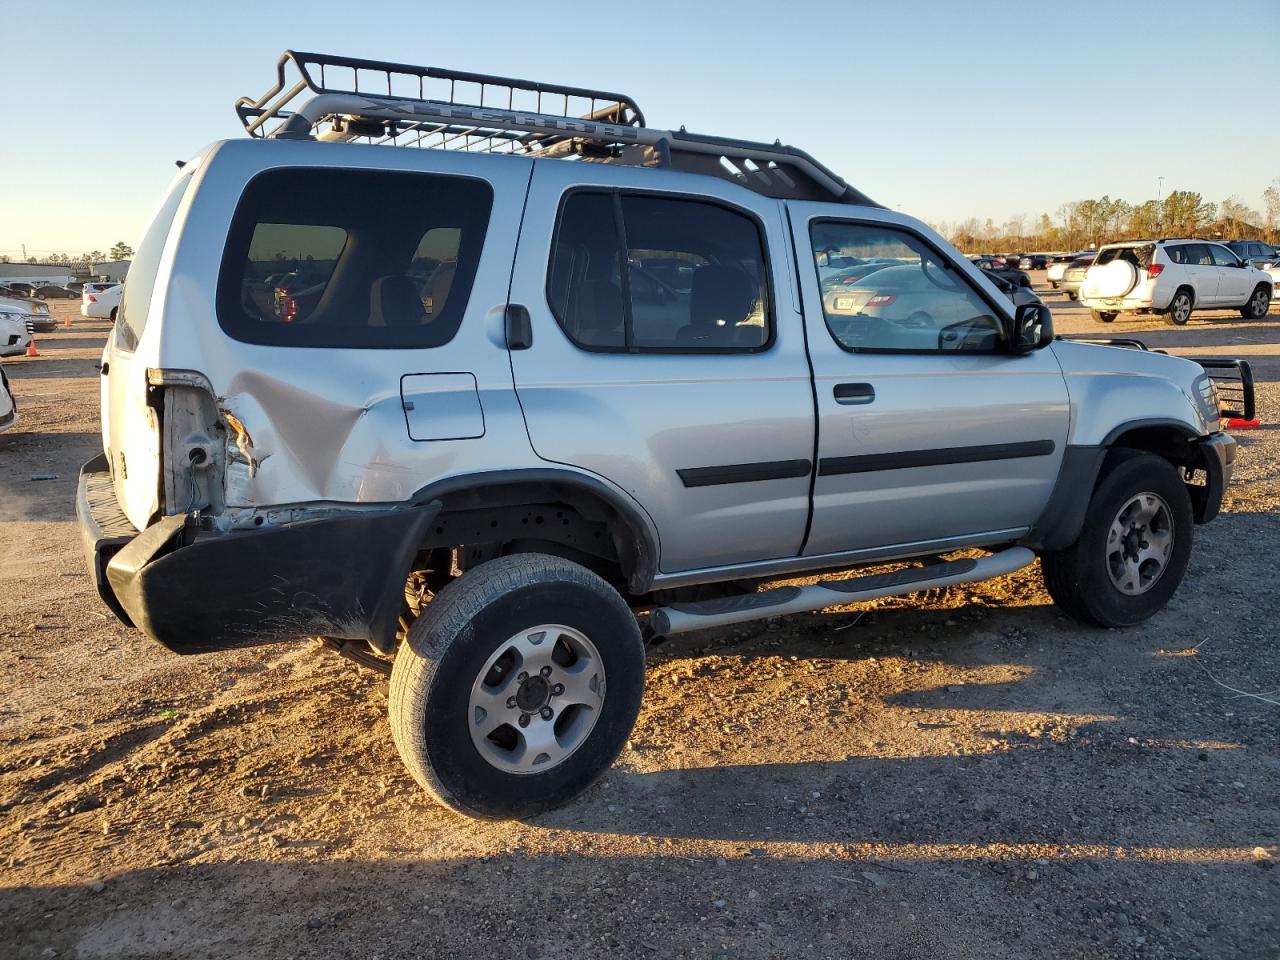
x=682, y=617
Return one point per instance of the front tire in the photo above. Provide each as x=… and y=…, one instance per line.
x=517, y=687
x=1104, y=316
x=1258, y=305
x=1133, y=549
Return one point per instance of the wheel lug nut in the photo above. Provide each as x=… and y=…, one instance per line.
x=545, y=713
x=511, y=701
x=545, y=672
x=557, y=689
x=523, y=676
x=524, y=720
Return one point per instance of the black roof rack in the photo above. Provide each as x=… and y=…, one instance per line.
x=398, y=104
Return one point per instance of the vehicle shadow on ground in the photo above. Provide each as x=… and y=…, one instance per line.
x=50, y=369
x=585, y=905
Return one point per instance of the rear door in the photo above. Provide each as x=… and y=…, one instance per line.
x=930, y=434
x=131, y=436
x=1201, y=271
x=667, y=354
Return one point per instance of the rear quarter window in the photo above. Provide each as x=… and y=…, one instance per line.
x=135, y=300
x=352, y=258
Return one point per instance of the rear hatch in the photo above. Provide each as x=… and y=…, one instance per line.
x=131, y=435
x=1119, y=270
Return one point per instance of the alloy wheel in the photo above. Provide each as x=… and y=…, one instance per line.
x=536, y=699
x=1139, y=543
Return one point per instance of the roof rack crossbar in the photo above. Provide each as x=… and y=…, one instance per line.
x=591, y=125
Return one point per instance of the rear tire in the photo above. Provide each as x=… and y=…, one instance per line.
x=1180, y=307
x=113, y=314
x=1088, y=580
x=1070, y=295
x=1054, y=284
x=1258, y=305
x=491, y=739
x=1104, y=316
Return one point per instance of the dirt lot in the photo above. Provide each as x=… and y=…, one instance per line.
x=975, y=777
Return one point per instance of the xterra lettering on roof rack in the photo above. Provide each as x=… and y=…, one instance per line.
x=396, y=104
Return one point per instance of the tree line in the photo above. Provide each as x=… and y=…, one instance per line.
x=1085, y=224
x=121, y=251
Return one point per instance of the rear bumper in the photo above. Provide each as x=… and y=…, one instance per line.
x=1217, y=459
x=194, y=591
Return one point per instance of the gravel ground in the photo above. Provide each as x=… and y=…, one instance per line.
x=964, y=776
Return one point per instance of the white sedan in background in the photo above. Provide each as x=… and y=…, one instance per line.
x=15, y=331
x=100, y=304
x=8, y=409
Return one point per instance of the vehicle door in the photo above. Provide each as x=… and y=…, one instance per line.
x=1235, y=280
x=930, y=434
x=667, y=354
x=1200, y=270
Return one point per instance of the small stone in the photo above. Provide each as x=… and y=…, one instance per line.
x=753, y=894
x=179, y=903
x=718, y=904
x=1202, y=756
x=1033, y=875
x=875, y=879
x=315, y=923
x=97, y=886
x=1238, y=785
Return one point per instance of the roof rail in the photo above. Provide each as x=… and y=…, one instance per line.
x=397, y=104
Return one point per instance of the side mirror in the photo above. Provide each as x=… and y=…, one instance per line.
x=1032, y=328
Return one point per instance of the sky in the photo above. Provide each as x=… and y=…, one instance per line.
x=943, y=110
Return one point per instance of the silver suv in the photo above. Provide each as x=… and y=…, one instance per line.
x=507, y=412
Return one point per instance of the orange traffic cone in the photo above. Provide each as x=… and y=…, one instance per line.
x=66, y=322
x=31, y=349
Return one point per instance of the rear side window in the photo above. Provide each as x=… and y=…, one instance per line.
x=135, y=301
x=352, y=258
x=640, y=273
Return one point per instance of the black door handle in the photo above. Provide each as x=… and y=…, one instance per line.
x=519, y=327
x=851, y=393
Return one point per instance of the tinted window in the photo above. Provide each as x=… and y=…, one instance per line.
x=919, y=303
x=135, y=301
x=1222, y=256
x=352, y=258
x=642, y=273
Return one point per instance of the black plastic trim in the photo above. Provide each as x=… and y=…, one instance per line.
x=640, y=568
x=943, y=456
x=1178, y=425
x=1060, y=522
x=745, y=472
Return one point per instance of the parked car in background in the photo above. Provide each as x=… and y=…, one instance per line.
x=1073, y=276
x=1058, y=266
x=101, y=304
x=15, y=331
x=1033, y=261
x=51, y=291
x=1273, y=271
x=1255, y=251
x=8, y=406
x=36, y=312
x=993, y=265
x=76, y=287
x=22, y=287
x=97, y=287
x=1173, y=277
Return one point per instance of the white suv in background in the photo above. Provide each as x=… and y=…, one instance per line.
x=1173, y=277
